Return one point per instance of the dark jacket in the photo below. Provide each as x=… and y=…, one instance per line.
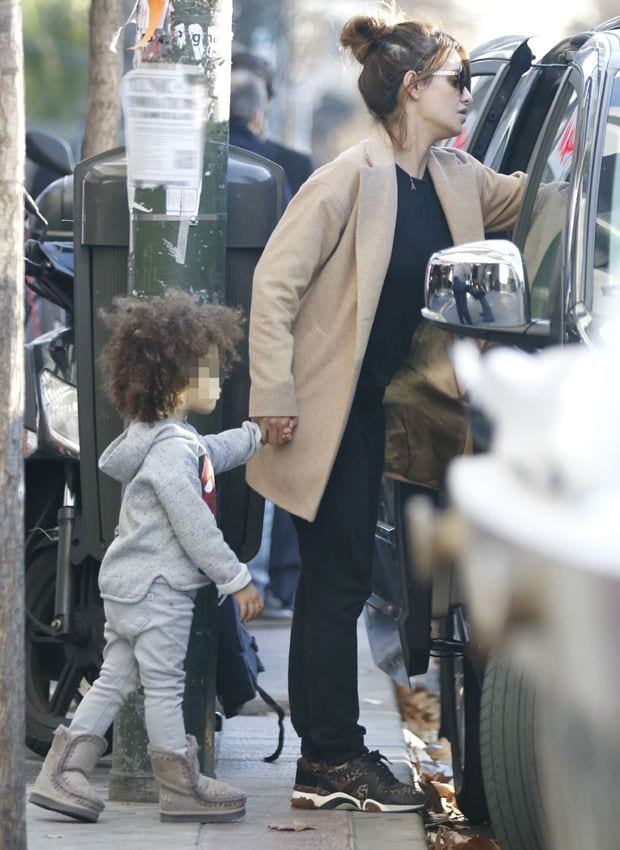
x=241, y=136
x=297, y=166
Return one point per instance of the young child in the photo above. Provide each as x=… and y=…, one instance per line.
x=163, y=360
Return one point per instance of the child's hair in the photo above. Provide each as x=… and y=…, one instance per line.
x=155, y=342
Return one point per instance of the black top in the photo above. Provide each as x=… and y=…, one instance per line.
x=421, y=229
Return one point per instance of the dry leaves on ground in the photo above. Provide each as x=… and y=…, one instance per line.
x=420, y=710
x=447, y=839
x=431, y=756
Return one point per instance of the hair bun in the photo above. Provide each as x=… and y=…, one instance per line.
x=362, y=33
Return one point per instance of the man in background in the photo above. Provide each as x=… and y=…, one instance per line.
x=298, y=166
x=276, y=566
x=248, y=103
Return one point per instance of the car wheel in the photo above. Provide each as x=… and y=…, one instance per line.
x=59, y=671
x=460, y=713
x=509, y=738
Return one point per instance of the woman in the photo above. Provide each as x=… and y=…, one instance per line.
x=336, y=301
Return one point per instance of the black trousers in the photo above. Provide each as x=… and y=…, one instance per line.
x=336, y=553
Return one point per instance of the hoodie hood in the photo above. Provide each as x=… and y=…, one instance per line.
x=125, y=455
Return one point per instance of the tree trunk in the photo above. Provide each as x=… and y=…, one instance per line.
x=103, y=114
x=12, y=768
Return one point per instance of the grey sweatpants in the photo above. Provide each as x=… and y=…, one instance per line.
x=146, y=643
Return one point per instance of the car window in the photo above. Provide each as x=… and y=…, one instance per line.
x=480, y=87
x=496, y=150
x=543, y=230
x=606, y=255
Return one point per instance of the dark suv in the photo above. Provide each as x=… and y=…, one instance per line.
x=556, y=117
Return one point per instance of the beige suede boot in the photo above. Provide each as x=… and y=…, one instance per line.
x=186, y=795
x=62, y=785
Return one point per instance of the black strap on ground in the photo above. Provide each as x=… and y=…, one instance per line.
x=280, y=712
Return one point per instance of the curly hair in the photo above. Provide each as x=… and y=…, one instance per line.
x=387, y=51
x=155, y=342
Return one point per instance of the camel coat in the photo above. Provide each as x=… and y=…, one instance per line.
x=315, y=293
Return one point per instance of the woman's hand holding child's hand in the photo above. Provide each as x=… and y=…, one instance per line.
x=250, y=603
x=276, y=430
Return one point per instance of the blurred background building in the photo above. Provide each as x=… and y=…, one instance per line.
x=316, y=106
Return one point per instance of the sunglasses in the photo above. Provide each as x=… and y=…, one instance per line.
x=461, y=78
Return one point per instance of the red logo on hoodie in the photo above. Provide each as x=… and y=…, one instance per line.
x=207, y=483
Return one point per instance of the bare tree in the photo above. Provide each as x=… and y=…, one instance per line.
x=12, y=768
x=103, y=112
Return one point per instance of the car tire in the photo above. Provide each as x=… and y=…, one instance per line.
x=460, y=715
x=509, y=741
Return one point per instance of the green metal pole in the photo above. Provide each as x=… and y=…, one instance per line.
x=168, y=249
x=177, y=242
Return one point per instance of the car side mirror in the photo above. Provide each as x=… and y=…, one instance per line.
x=478, y=285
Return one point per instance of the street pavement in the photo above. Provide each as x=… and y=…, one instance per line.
x=240, y=748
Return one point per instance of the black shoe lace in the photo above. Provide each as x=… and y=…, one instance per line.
x=380, y=763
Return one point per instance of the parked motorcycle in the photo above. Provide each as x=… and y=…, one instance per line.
x=64, y=613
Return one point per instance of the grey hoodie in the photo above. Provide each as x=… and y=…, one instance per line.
x=165, y=528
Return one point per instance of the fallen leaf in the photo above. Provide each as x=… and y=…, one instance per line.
x=434, y=772
x=436, y=819
x=434, y=800
x=412, y=740
x=444, y=790
x=479, y=842
x=420, y=708
x=448, y=839
x=444, y=769
x=293, y=826
x=440, y=751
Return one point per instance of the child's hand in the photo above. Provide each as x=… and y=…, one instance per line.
x=249, y=602
x=276, y=430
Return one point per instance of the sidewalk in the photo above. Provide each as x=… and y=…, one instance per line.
x=241, y=746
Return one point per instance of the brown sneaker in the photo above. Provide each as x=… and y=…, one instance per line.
x=364, y=783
